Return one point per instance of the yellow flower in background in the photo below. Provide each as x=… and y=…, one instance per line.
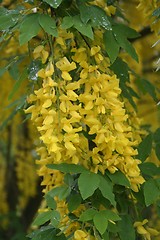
x=144, y=230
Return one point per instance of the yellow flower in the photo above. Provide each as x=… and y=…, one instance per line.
x=40, y=52
x=80, y=235
x=146, y=231
x=80, y=54
x=65, y=65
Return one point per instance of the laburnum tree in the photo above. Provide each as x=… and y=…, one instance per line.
x=80, y=136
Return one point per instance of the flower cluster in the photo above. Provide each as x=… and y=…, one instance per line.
x=81, y=119
x=80, y=116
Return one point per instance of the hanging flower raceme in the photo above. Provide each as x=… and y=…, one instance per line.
x=78, y=100
x=81, y=118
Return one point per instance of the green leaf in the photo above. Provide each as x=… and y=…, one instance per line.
x=42, y=233
x=42, y=218
x=67, y=22
x=111, y=45
x=106, y=189
x=127, y=94
x=84, y=29
x=7, y=20
x=121, y=69
x=100, y=222
x=88, y=182
x=47, y=232
x=53, y=3
x=112, y=227
x=67, y=168
x=150, y=89
x=96, y=14
x=74, y=202
x=51, y=203
x=126, y=31
x=145, y=147
x=149, y=168
x=110, y=215
x=61, y=192
x=118, y=178
x=28, y=30
x=69, y=179
x=48, y=24
x=105, y=236
x=157, y=150
x=55, y=219
x=18, y=83
x=87, y=215
x=132, y=92
x=126, y=229
x=156, y=136
x=122, y=33
x=151, y=192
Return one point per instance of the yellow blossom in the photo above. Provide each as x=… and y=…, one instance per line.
x=65, y=65
x=40, y=52
x=80, y=235
x=146, y=231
